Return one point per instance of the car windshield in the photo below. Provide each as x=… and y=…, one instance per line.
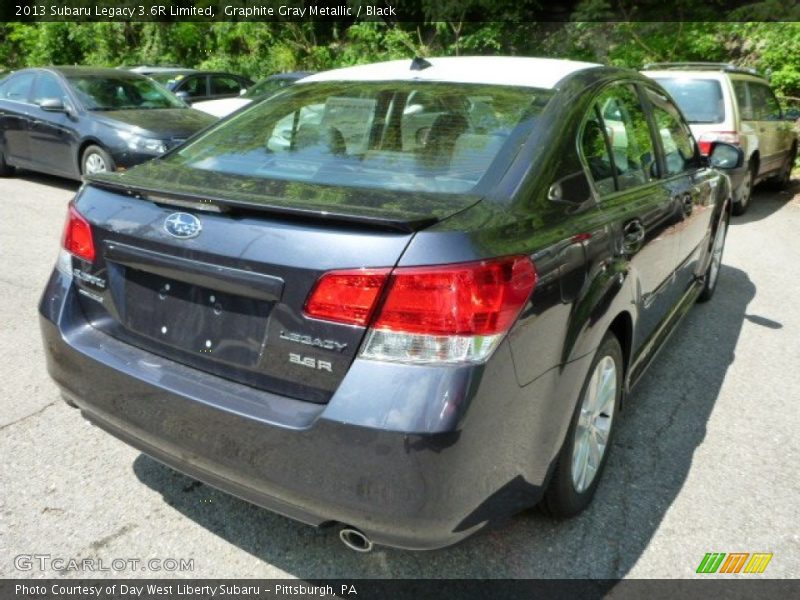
x=700, y=100
x=430, y=137
x=102, y=92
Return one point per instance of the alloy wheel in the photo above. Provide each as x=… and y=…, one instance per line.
x=746, y=189
x=94, y=163
x=594, y=424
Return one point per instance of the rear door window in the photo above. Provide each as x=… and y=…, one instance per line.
x=699, y=99
x=195, y=86
x=677, y=141
x=595, y=147
x=629, y=132
x=765, y=105
x=225, y=85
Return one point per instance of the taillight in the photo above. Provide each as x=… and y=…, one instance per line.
x=440, y=314
x=346, y=296
x=709, y=137
x=77, y=239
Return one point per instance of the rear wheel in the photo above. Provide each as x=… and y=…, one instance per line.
x=745, y=192
x=96, y=160
x=6, y=170
x=712, y=273
x=585, y=451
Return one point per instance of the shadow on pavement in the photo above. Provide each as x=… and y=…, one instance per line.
x=68, y=185
x=664, y=422
x=766, y=201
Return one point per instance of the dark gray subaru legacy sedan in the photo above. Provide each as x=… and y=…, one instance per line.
x=403, y=299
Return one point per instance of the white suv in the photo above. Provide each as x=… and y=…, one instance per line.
x=731, y=104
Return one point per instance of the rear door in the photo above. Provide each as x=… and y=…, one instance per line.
x=774, y=133
x=195, y=87
x=15, y=116
x=619, y=152
x=693, y=188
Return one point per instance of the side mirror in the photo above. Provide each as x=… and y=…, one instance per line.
x=725, y=156
x=183, y=96
x=52, y=105
x=571, y=189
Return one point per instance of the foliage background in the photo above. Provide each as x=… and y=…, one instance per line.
x=260, y=49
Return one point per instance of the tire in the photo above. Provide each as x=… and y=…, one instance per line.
x=92, y=158
x=717, y=248
x=573, y=483
x=744, y=193
x=6, y=170
x=783, y=179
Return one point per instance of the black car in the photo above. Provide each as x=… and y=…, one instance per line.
x=406, y=299
x=72, y=121
x=194, y=86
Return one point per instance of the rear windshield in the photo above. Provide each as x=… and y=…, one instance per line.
x=700, y=100
x=431, y=137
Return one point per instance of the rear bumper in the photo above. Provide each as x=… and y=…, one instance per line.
x=436, y=456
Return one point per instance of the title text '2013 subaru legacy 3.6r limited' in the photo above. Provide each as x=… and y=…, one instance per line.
x=406, y=299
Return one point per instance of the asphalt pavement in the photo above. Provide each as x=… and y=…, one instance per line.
x=705, y=459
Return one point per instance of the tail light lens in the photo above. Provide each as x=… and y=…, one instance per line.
x=708, y=138
x=77, y=238
x=443, y=314
x=347, y=297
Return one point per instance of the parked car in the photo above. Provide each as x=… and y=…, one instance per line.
x=73, y=121
x=194, y=86
x=723, y=102
x=266, y=87
x=150, y=69
x=409, y=327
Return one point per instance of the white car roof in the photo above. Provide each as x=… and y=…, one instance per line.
x=493, y=70
x=686, y=74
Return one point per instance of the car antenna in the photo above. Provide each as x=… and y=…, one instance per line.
x=419, y=64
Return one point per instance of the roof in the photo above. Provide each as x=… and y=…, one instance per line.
x=700, y=66
x=492, y=70
x=92, y=71
x=149, y=70
x=291, y=75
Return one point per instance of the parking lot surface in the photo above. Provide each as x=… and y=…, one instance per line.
x=705, y=459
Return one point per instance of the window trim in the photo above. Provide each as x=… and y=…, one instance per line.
x=655, y=134
x=636, y=84
x=595, y=110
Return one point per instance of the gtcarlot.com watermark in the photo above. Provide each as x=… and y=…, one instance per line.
x=64, y=564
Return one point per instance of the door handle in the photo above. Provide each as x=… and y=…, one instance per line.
x=632, y=235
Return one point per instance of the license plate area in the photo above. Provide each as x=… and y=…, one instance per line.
x=206, y=322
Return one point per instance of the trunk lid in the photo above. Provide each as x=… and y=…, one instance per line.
x=229, y=300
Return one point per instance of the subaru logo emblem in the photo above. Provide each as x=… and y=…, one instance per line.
x=183, y=225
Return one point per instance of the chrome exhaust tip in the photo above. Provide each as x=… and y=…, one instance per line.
x=355, y=540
